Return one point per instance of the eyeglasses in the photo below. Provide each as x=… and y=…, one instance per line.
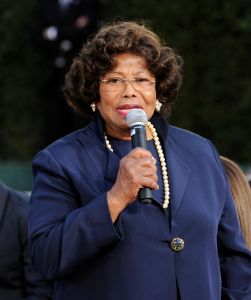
x=115, y=84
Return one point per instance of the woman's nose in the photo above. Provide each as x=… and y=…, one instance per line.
x=129, y=89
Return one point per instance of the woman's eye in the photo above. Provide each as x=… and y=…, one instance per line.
x=114, y=80
x=142, y=80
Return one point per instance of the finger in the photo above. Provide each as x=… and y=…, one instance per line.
x=148, y=172
x=146, y=161
x=139, y=152
x=149, y=182
x=130, y=164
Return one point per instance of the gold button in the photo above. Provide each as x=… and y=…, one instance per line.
x=177, y=244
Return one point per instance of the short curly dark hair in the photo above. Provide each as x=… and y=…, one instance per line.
x=96, y=59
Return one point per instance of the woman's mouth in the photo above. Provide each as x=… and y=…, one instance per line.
x=124, y=109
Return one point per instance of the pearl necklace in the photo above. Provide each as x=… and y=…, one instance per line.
x=161, y=158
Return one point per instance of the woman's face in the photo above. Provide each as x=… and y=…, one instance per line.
x=117, y=99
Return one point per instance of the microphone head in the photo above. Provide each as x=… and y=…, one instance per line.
x=135, y=117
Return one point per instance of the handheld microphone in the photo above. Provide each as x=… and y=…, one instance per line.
x=136, y=120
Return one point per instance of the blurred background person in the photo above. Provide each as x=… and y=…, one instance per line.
x=62, y=27
x=242, y=195
x=249, y=176
x=18, y=279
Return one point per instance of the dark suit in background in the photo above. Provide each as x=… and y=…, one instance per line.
x=18, y=280
x=59, y=34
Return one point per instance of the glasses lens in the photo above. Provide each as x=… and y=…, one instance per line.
x=141, y=84
x=113, y=84
x=117, y=84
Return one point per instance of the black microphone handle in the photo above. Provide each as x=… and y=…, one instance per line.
x=138, y=136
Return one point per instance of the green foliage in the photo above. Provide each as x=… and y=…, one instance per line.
x=213, y=37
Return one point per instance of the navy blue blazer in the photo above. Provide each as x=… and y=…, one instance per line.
x=73, y=240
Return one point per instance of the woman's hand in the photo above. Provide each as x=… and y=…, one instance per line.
x=136, y=170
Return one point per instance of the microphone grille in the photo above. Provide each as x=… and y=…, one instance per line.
x=136, y=116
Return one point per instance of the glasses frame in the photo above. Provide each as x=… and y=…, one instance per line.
x=125, y=81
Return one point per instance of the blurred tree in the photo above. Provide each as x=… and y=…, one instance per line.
x=213, y=37
x=20, y=122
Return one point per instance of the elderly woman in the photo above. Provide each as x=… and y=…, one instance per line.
x=88, y=231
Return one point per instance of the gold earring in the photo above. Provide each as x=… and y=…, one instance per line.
x=158, y=105
x=93, y=106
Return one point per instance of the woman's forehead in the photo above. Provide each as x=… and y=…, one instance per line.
x=128, y=61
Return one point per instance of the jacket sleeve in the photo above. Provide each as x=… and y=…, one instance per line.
x=35, y=287
x=234, y=256
x=64, y=237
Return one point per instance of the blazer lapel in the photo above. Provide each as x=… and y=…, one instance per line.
x=179, y=174
x=94, y=144
x=112, y=167
x=178, y=171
